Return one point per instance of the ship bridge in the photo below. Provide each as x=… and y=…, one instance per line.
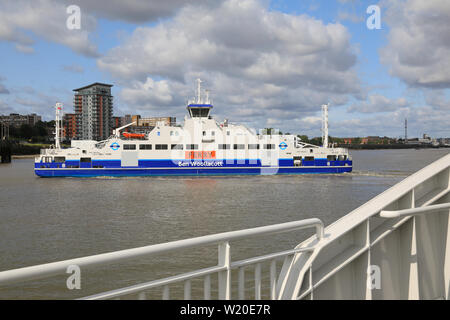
x=200, y=107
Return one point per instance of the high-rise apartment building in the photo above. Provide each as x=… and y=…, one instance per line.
x=69, y=126
x=94, y=111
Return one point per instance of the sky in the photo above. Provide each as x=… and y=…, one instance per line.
x=266, y=63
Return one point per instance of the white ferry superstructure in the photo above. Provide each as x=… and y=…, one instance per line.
x=201, y=146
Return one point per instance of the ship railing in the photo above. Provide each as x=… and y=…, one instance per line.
x=395, y=246
x=222, y=269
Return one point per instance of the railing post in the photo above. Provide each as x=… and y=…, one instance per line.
x=273, y=279
x=225, y=276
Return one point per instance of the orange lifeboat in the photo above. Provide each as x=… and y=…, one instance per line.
x=134, y=135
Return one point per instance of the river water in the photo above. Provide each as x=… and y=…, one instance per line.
x=47, y=220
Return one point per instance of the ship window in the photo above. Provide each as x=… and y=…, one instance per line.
x=269, y=146
x=224, y=146
x=85, y=159
x=228, y=133
x=309, y=158
x=239, y=146
x=191, y=146
x=204, y=133
x=60, y=159
x=177, y=147
x=331, y=158
x=253, y=146
x=213, y=133
x=161, y=147
x=129, y=147
x=145, y=147
x=199, y=112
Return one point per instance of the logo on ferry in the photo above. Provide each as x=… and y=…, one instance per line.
x=283, y=146
x=115, y=146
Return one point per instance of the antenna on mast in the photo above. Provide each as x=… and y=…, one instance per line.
x=325, y=125
x=58, y=127
x=199, y=91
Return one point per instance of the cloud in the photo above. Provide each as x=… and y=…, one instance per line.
x=74, y=68
x=352, y=17
x=270, y=64
x=46, y=19
x=5, y=108
x=3, y=89
x=418, y=49
x=137, y=11
x=437, y=99
x=378, y=103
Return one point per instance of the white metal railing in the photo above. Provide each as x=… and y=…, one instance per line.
x=395, y=246
x=223, y=268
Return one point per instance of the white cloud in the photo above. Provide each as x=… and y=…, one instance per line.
x=418, y=49
x=270, y=64
x=74, y=68
x=46, y=19
x=3, y=89
x=136, y=11
x=378, y=103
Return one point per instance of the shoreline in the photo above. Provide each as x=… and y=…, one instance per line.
x=25, y=156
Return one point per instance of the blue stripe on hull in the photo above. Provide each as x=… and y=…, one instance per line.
x=122, y=172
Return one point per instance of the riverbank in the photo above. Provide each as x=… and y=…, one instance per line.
x=388, y=146
x=25, y=156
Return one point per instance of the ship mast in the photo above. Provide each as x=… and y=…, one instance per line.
x=325, y=125
x=199, y=91
x=58, y=112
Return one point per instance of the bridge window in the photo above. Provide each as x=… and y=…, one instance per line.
x=269, y=146
x=85, y=159
x=192, y=147
x=161, y=146
x=239, y=146
x=176, y=147
x=199, y=112
x=309, y=158
x=253, y=146
x=224, y=146
x=145, y=147
x=60, y=159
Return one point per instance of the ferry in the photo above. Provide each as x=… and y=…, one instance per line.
x=201, y=146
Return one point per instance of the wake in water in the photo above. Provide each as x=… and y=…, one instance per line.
x=390, y=174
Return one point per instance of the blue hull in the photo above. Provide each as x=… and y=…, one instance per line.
x=136, y=172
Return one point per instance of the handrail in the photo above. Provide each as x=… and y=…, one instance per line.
x=414, y=211
x=55, y=268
